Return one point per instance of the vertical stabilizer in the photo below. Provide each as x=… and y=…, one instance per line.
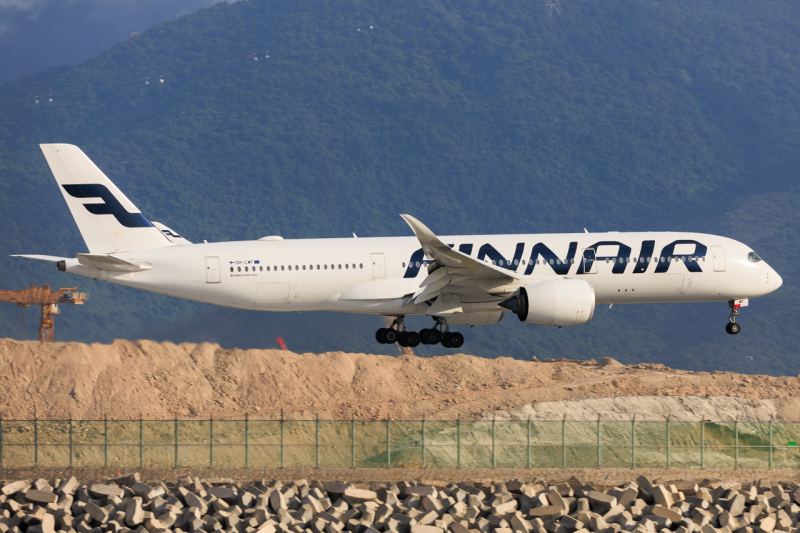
x=107, y=220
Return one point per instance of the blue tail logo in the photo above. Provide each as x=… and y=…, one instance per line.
x=111, y=205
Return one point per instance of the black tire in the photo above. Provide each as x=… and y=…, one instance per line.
x=402, y=339
x=434, y=336
x=733, y=328
x=413, y=339
x=423, y=336
x=389, y=336
x=446, y=339
x=379, y=335
x=456, y=340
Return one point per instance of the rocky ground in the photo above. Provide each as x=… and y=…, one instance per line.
x=125, y=504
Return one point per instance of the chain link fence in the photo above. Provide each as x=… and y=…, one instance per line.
x=396, y=444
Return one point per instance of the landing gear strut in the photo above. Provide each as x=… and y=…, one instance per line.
x=732, y=327
x=398, y=333
x=443, y=334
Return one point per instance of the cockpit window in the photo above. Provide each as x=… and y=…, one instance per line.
x=753, y=257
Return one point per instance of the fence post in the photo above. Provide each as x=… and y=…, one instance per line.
x=458, y=443
x=388, y=444
x=529, y=441
x=736, y=442
x=770, y=442
x=71, y=455
x=211, y=441
x=598, y=441
x=176, y=441
x=423, y=441
x=247, y=440
x=352, y=441
x=703, y=443
x=564, y=441
x=141, y=440
x=317, y=439
x=668, y=440
x=35, y=439
x=633, y=441
x=1, y=441
x=282, y=457
x=105, y=438
x=494, y=456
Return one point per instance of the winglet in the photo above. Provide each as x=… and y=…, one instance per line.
x=423, y=233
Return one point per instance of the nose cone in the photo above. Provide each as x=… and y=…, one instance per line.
x=776, y=279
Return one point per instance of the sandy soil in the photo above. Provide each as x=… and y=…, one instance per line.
x=162, y=380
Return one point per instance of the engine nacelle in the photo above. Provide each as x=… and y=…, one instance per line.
x=557, y=302
x=483, y=318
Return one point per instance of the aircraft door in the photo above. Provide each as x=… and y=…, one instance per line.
x=378, y=266
x=589, y=265
x=719, y=258
x=212, y=270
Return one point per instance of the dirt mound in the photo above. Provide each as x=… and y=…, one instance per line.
x=162, y=380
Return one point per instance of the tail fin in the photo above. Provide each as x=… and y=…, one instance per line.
x=107, y=220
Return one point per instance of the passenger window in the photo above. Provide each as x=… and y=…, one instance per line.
x=326, y=267
x=267, y=269
x=346, y=265
x=304, y=267
x=296, y=267
x=340, y=267
x=354, y=266
x=317, y=267
x=239, y=269
x=361, y=265
x=404, y=265
x=282, y=267
x=231, y=269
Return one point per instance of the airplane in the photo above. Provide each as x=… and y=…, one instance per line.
x=551, y=280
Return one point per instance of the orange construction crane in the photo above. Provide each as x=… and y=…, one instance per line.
x=49, y=300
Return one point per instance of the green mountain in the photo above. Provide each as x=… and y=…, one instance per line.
x=320, y=119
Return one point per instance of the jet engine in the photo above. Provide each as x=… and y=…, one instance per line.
x=557, y=302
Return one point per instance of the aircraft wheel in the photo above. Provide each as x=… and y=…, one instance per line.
x=379, y=335
x=446, y=339
x=423, y=336
x=733, y=328
x=456, y=340
x=434, y=336
x=402, y=339
x=389, y=336
x=413, y=339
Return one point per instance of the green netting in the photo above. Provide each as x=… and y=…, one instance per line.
x=398, y=444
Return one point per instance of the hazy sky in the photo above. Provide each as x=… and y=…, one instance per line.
x=35, y=34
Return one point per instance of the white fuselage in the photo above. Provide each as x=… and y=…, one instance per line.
x=379, y=275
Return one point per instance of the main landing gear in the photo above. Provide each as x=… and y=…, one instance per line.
x=732, y=327
x=438, y=334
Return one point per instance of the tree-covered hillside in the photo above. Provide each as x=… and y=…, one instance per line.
x=320, y=119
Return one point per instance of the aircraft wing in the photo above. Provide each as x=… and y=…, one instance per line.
x=454, y=268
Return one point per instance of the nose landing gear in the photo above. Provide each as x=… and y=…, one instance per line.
x=732, y=327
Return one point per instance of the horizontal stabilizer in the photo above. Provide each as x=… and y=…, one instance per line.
x=111, y=263
x=47, y=258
